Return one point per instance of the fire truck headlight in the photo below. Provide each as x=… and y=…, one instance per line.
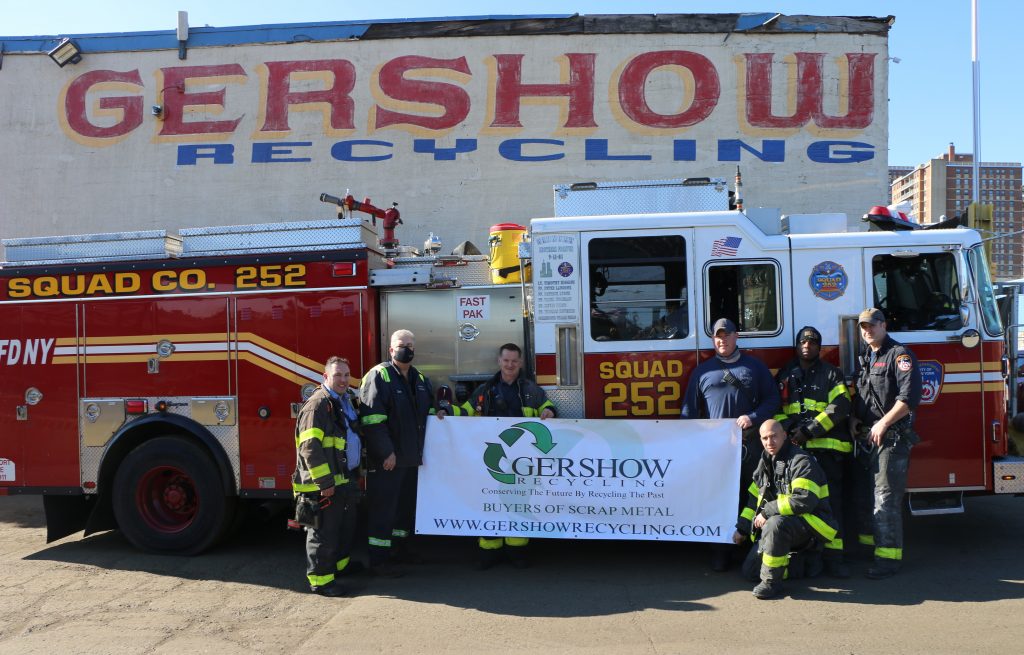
x=33, y=396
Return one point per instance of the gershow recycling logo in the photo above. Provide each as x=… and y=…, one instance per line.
x=494, y=452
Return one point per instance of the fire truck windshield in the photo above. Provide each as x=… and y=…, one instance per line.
x=986, y=294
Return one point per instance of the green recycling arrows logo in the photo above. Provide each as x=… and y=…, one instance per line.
x=494, y=452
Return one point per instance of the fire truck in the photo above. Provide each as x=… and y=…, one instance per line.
x=151, y=380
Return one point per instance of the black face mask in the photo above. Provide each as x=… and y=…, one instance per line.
x=404, y=354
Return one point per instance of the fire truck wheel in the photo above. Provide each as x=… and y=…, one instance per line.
x=168, y=497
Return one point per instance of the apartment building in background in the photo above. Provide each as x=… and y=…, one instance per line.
x=943, y=187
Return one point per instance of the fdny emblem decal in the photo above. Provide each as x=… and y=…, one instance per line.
x=931, y=380
x=904, y=363
x=828, y=280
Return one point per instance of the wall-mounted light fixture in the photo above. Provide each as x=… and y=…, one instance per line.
x=66, y=52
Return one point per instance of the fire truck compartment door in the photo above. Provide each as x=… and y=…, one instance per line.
x=173, y=346
x=918, y=289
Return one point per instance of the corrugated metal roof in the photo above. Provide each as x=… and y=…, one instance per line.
x=468, y=26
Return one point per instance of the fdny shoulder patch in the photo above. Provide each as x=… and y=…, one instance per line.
x=904, y=362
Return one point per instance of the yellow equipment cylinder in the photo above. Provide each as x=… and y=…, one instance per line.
x=504, y=241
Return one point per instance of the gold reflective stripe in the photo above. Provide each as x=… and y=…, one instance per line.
x=547, y=404
x=809, y=485
x=835, y=544
x=339, y=479
x=866, y=539
x=306, y=435
x=792, y=408
x=383, y=370
x=838, y=390
x=320, y=471
x=380, y=543
x=747, y=513
x=889, y=553
x=822, y=528
x=824, y=421
x=783, y=502
x=320, y=580
x=399, y=534
x=774, y=561
x=304, y=487
x=490, y=544
x=828, y=443
x=342, y=563
x=530, y=412
x=374, y=419
x=780, y=417
x=753, y=490
x=516, y=542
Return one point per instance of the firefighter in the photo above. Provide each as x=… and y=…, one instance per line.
x=815, y=408
x=732, y=385
x=508, y=393
x=787, y=510
x=888, y=392
x=327, y=450
x=395, y=400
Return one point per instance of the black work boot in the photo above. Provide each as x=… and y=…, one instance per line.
x=332, y=590
x=881, y=570
x=767, y=589
x=489, y=558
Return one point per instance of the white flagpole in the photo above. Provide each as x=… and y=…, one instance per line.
x=976, y=76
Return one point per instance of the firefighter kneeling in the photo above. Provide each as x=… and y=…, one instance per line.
x=788, y=511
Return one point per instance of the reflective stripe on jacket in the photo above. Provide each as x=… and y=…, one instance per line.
x=791, y=484
x=817, y=399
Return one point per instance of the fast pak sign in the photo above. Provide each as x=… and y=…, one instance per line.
x=461, y=129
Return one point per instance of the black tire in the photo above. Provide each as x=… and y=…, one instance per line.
x=168, y=497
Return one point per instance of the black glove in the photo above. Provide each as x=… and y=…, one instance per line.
x=802, y=435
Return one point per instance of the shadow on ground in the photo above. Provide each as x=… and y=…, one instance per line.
x=971, y=557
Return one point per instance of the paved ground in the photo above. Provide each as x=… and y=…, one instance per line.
x=962, y=591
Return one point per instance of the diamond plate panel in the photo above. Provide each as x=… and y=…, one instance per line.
x=108, y=246
x=568, y=401
x=640, y=197
x=276, y=237
x=225, y=435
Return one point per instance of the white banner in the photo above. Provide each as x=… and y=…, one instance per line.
x=580, y=479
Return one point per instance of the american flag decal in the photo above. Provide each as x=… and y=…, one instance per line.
x=725, y=247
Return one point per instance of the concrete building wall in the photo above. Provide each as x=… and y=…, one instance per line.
x=464, y=125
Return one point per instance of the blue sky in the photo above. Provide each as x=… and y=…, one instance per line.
x=930, y=88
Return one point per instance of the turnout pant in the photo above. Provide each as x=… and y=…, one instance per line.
x=881, y=482
x=770, y=555
x=833, y=464
x=391, y=505
x=328, y=548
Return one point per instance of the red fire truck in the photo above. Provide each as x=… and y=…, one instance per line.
x=150, y=381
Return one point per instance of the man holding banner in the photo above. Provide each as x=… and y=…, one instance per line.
x=511, y=394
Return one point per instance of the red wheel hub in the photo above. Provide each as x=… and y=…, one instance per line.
x=166, y=498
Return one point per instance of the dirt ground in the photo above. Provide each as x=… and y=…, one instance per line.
x=961, y=591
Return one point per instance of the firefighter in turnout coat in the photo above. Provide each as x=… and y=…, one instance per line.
x=788, y=508
x=815, y=408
